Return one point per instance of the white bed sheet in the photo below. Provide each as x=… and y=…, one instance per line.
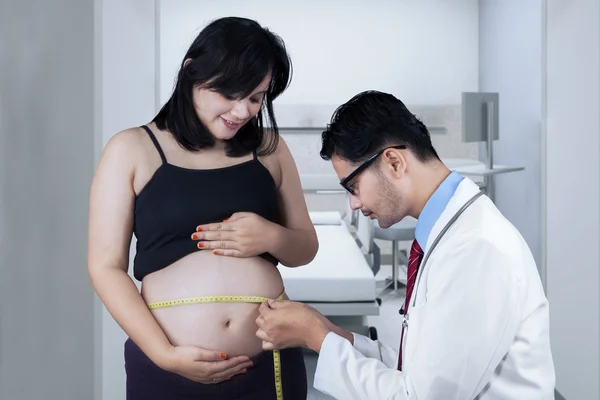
x=339, y=272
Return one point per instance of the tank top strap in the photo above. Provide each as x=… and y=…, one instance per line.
x=156, y=144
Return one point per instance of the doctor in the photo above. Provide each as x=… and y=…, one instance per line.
x=475, y=315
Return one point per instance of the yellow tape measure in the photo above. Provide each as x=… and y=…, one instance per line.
x=209, y=299
x=277, y=369
x=229, y=299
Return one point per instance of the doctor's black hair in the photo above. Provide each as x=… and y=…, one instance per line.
x=371, y=121
x=230, y=56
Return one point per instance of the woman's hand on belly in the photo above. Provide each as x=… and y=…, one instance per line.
x=244, y=234
x=204, y=366
x=226, y=327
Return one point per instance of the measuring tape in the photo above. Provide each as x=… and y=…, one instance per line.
x=229, y=299
x=209, y=299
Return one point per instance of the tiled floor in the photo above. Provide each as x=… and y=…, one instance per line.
x=388, y=324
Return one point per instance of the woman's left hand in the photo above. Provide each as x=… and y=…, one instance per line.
x=244, y=234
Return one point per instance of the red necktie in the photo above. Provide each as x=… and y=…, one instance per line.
x=416, y=255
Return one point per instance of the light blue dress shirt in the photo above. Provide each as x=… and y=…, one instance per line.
x=435, y=206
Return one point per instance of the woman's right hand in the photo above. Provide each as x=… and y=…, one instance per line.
x=204, y=366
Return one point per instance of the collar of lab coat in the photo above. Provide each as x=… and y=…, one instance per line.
x=466, y=189
x=435, y=206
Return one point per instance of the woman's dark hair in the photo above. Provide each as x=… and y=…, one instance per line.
x=371, y=121
x=231, y=56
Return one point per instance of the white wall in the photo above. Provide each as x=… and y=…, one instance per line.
x=426, y=53
x=572, y=182
x=46, y=162
x=126, y=80
x=423, y=52
x=510, y=63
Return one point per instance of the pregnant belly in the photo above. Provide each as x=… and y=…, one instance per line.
x=225, y=327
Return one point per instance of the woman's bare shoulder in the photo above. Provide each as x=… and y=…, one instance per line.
x=128, y=140
x=132, y=145
x=279, y=159
x=276, y=144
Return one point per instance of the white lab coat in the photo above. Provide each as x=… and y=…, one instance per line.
x=479, y=329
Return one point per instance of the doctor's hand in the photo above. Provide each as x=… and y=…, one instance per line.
x=204, y=366
x=285, y=323
x=244, y=234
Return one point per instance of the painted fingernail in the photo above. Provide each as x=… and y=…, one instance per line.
x=223, y=356
x=195, y=236
x=226, y=219
x=200, y=245
x=217, y=252
x=198, y=229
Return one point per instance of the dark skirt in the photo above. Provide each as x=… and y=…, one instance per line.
x=147, y=381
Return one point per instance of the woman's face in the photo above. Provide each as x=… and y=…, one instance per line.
x=224, y=117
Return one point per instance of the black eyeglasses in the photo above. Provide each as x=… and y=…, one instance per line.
x=344, y=182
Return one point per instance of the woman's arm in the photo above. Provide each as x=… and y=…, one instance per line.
x=295, y=240
x=112, y=200
x=110, y=230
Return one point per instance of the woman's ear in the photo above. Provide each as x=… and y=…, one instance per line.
x=186, y=62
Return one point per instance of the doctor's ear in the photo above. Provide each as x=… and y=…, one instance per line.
x=395, y=160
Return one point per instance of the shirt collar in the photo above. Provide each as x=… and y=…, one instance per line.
x=435, y=207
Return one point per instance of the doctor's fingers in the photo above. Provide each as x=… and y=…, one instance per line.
x=268, y=346
x=262, y=323
x=277, y=304
x=264, y=309
x=267, y=343
x=262, y=335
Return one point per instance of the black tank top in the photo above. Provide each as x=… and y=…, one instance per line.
x=176, y=200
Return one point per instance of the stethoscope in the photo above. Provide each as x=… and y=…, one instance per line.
x=439, y=237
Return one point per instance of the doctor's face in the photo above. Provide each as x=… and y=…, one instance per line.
x=371, y=192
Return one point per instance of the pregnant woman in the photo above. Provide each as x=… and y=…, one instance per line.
x=215, y=202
